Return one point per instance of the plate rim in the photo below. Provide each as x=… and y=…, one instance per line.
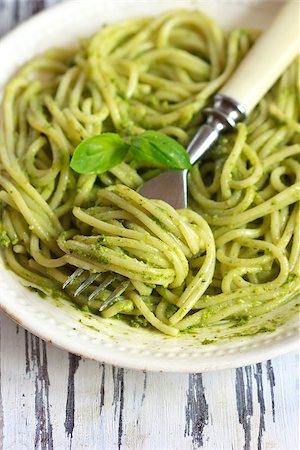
x=61, y=340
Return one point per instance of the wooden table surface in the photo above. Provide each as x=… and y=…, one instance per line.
x=50, y=399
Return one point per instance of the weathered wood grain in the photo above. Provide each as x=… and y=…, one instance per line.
x=53, y=400
x=50, y=399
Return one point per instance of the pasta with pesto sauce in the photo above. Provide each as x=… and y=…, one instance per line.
x=227, y=265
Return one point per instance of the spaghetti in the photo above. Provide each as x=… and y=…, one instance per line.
x=231, y=263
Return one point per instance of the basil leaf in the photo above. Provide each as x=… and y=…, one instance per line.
x=158, y=148
x=99, y=153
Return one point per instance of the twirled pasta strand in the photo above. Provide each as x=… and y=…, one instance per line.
x=228, y=265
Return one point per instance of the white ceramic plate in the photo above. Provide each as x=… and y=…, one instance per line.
x=59, y=322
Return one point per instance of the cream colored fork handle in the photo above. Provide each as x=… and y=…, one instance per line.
x=267, y=59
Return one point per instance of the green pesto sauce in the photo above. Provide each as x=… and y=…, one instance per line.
x=4, y=239
x=241, y=327
x=208, y=341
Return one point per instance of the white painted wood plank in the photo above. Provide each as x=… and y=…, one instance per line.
x=17, y=389
x=221, y=398
x=58, y=364
x=116, y=408
x=83, y=405
x=284, y=430
x=159, y=412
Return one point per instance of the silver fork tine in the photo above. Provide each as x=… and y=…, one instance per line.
x=115, y=294
x=108, y=280
x=86, y=283
x=72, y=277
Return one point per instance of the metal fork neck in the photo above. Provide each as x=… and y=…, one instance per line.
x=222, y=116
x=225, y=113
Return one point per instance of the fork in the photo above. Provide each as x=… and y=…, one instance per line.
x=266, y=60
x=258, y=71
x=108, y=280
